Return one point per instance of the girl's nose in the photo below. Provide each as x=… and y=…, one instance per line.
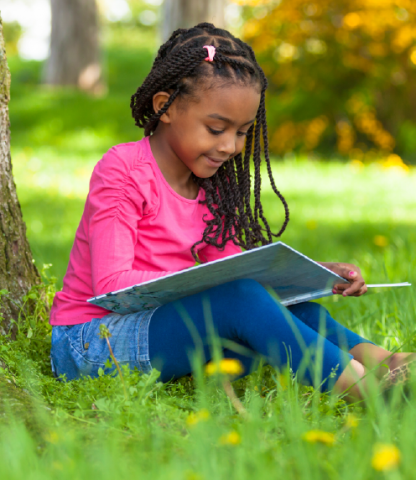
x=227, y=145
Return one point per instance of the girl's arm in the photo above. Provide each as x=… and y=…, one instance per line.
x=118, y=199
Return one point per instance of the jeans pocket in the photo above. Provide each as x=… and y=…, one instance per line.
x=92, y=348
x=84, y=337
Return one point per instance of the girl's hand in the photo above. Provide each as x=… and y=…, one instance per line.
x=351, y=273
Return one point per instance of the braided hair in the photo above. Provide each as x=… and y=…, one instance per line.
x=180, y=66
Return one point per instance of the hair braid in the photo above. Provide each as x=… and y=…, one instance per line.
x=179, y=66
x=246, y=187
x=242, y=226
x=269, y=169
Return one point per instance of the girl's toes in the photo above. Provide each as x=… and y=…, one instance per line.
x=401, y=358
x=400, y=376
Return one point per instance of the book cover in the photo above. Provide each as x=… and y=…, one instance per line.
x=294, y=277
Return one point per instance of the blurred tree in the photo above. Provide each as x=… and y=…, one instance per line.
x=17, y=271
x=341, y=74
x=187, y=13
x=74, y=50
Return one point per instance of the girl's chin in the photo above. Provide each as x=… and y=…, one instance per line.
x=204, y=171
x=205, y=175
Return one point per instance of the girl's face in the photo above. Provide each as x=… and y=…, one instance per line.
x=204, y=133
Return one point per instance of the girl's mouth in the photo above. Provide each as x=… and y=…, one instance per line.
x=212, y=162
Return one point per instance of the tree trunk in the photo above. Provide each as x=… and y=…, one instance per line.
x=74, y=57
x=17, y=271
x=188, y=13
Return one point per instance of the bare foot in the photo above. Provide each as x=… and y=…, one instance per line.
x=379, y=360
x=400, y=358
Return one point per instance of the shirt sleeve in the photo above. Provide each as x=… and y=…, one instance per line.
x=117, y=202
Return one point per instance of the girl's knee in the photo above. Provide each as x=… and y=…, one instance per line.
x=308, y=309
x=237, y=303
x=244, y=288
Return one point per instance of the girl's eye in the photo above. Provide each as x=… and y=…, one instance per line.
x=215, y=132
x=218, y=132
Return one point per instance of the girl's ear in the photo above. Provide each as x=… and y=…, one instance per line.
x=159, y=100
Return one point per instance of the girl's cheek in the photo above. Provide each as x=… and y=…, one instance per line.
x=240, y=145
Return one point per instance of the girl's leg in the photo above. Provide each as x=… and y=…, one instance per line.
x=244, y=312
x=375, y=357
x=365, y=352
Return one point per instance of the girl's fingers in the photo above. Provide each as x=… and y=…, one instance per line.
x=357, y=284
x=355, y=289
x=362, y=290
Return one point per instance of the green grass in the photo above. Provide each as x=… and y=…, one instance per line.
x=86, y=428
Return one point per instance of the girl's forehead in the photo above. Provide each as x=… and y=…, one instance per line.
x=240, y=100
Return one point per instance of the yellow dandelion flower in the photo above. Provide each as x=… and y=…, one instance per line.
x=192, y=420
x=380, y=241
x=352, y=421
x=189, y=475
x=413, y=56
x=319, y=436
x=227, y=366
x=311, y=224
x=231, y=438
x=196, y=417
x=231, y=366
x=52, y=437
x=203, y=414
x=283, y=381
x=385, y=457
x=211, y=368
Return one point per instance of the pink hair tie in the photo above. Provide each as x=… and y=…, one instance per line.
x=211, y=53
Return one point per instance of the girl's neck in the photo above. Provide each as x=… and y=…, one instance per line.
x=176, y=173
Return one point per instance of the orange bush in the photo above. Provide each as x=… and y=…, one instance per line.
x=341, y=73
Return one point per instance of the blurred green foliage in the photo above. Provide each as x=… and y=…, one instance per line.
x=342, y=74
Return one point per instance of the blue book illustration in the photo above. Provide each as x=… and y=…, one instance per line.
x=294, y=277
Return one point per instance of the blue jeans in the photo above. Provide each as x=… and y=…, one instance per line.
x=250, y=325
x=79, y=351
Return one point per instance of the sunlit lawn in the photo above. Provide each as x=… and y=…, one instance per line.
x=339, y=212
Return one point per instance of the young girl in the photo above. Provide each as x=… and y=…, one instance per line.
x=182, y=194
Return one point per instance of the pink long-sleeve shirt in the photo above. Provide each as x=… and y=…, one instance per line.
x=134, y=228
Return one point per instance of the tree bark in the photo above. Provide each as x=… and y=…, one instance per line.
x=17, y=271
x=188, y=13
x=74, y=57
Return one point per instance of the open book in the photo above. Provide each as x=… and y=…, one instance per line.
x=294, y=277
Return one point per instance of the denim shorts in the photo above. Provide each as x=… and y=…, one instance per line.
x=77, y=350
